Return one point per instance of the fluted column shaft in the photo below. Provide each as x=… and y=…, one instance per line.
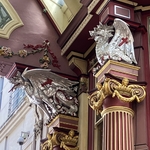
x=118, y=128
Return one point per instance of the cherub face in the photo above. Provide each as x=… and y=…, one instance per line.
x=99, y=86
x=71, y=133
x=125, y=81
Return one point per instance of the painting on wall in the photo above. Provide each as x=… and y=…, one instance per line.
x=9, y=19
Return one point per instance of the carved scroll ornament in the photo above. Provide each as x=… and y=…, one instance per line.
x=66, y=141
x=123, y=91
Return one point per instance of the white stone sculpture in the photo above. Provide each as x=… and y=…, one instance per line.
x=48, y=91
x=119, y=48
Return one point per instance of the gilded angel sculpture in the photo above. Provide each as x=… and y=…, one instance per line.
x=119, y=48
x=48, y=91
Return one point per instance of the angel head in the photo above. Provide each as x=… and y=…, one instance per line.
x=71, y=133
x=99, y=86
x=125, y=81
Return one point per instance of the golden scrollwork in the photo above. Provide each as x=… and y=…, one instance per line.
x=52, y=140
x=97, y=98
x=64, y=146
x=123, y=91
x=69, y=142
x=48, y=145
x=128, y=93
x=66, y=141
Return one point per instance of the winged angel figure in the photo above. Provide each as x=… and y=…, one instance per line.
x=120, y=47
x=48, y=91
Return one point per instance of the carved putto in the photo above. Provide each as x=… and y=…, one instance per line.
x=66, y=141
x=114, y=42
x=48, y=91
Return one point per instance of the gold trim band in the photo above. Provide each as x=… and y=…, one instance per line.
x=117, y=109
x=62, y=116
x=112, y=62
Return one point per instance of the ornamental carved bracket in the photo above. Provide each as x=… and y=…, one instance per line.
x=67, y=141
x=123, y=91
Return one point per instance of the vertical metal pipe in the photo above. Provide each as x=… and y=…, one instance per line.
x=20, y=147
x=5, y=148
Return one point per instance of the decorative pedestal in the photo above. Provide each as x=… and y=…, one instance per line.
x=112, y=99
x=62, y=134
x=118, y=69
x=64, y=121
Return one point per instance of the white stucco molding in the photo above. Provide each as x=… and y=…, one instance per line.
x=14, y=120
x=11, y=25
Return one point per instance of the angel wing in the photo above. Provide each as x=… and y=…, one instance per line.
x=124, y=39
x=42, y=77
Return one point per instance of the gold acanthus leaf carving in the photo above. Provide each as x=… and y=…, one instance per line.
x=123, y=91
x=64, y=146
x=52, y=140
x=70, y=138
x=96, y=99
x=128, y=93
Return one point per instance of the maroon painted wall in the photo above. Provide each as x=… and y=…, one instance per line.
x=142, y=110
x=36, y=29
x=146, y=67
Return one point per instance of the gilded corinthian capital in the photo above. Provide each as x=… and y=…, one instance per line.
x=123, y=91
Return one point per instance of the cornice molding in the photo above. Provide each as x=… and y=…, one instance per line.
x=83, y=24
x=72, y=53
x=121, y=64
x=92, y=5
x=80, y=55
x=79, y=64
x=143, y=8
x=128, y=2
x=76, y=33
x=4, y=67
x=102, y=7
